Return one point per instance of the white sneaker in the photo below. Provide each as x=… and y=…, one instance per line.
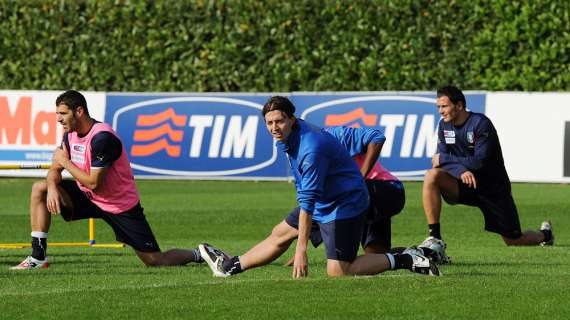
x=436, y=250
x=547, y=226
x=422, y=264
x=215, y=259
x=31, y=263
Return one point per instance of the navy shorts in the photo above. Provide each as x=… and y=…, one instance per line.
x=293, y=220
x=130, y=227
x=499, y=210
x=341, y=237
x=387, y=198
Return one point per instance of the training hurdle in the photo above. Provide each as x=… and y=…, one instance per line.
x=90, y=243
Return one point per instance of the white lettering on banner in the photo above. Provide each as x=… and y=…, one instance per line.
x=427, y=137
x=199, y=123
x=216, y=140
x=239, y=139
x=425, y=140
x=408, y=138
x=390, y=122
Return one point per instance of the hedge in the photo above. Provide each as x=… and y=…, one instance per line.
x=283, y=46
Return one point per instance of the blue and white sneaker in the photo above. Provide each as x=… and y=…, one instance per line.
x=547, y=226
x=215, y=259
x=422, y=264
x=31, y=263
x=436, y=250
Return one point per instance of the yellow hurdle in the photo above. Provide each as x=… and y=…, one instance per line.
x=23, y=166
x=91, y=243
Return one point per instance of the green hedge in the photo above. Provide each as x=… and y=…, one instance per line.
x=280, y=45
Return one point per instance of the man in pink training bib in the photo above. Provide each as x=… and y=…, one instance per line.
x=104, y=188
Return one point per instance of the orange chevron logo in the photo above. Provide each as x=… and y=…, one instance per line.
x=152, y=120
x=164, y=130
x=162, y=144
x=355, y=118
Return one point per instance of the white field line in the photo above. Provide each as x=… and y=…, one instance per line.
x=36, y=292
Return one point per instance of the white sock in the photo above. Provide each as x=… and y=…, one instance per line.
x=392, y=261
x=39, y=234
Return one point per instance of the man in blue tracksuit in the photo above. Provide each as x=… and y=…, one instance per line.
x=468, y=168
x=331, y=192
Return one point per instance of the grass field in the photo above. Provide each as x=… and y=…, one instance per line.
x=486, y=280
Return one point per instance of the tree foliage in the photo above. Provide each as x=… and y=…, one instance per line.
x=283, y=46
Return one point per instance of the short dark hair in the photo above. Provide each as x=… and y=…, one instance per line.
x=279, y=103
x=72, y=99
x=453, y=93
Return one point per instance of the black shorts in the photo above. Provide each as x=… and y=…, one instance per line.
x=499, y=210
x=341, y=237
x=387, y=199
x=130, y=227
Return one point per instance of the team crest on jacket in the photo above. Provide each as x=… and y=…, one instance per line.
x=470, y=137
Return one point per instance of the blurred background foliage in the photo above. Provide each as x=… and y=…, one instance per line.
x=282, y=46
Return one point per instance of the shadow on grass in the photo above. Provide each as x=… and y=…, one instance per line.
x=503, y=263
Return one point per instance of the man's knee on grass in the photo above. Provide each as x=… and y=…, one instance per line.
x=337, y=268
x=528, y=238
x=151, y=259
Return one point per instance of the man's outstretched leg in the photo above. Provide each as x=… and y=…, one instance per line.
x=261, y=254
x=543, y=236
x=132, y=228
x=173, y=257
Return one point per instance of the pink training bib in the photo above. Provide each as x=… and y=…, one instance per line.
x=118, y=192
x=378, y=172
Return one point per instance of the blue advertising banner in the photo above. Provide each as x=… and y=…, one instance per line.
x=408, y=120
x=196, y=136
x=224, y=136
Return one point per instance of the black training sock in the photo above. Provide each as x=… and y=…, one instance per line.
x=197, y=256
x=232, y=266
x=403, y=261
x=39, y=248
x=434, y=230
x=547, y=235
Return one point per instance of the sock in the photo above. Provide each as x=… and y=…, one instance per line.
x=392, y=261
x=197, y=256
x=547, y=235
x=39, y=245
x=434, y=230
x=232, y=266
x=402, y=261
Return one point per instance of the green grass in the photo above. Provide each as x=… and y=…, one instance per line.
x=486, y=280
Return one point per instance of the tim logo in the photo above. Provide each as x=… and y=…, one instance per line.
x=195, y=136
x=408, y=122
x=155, y=133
